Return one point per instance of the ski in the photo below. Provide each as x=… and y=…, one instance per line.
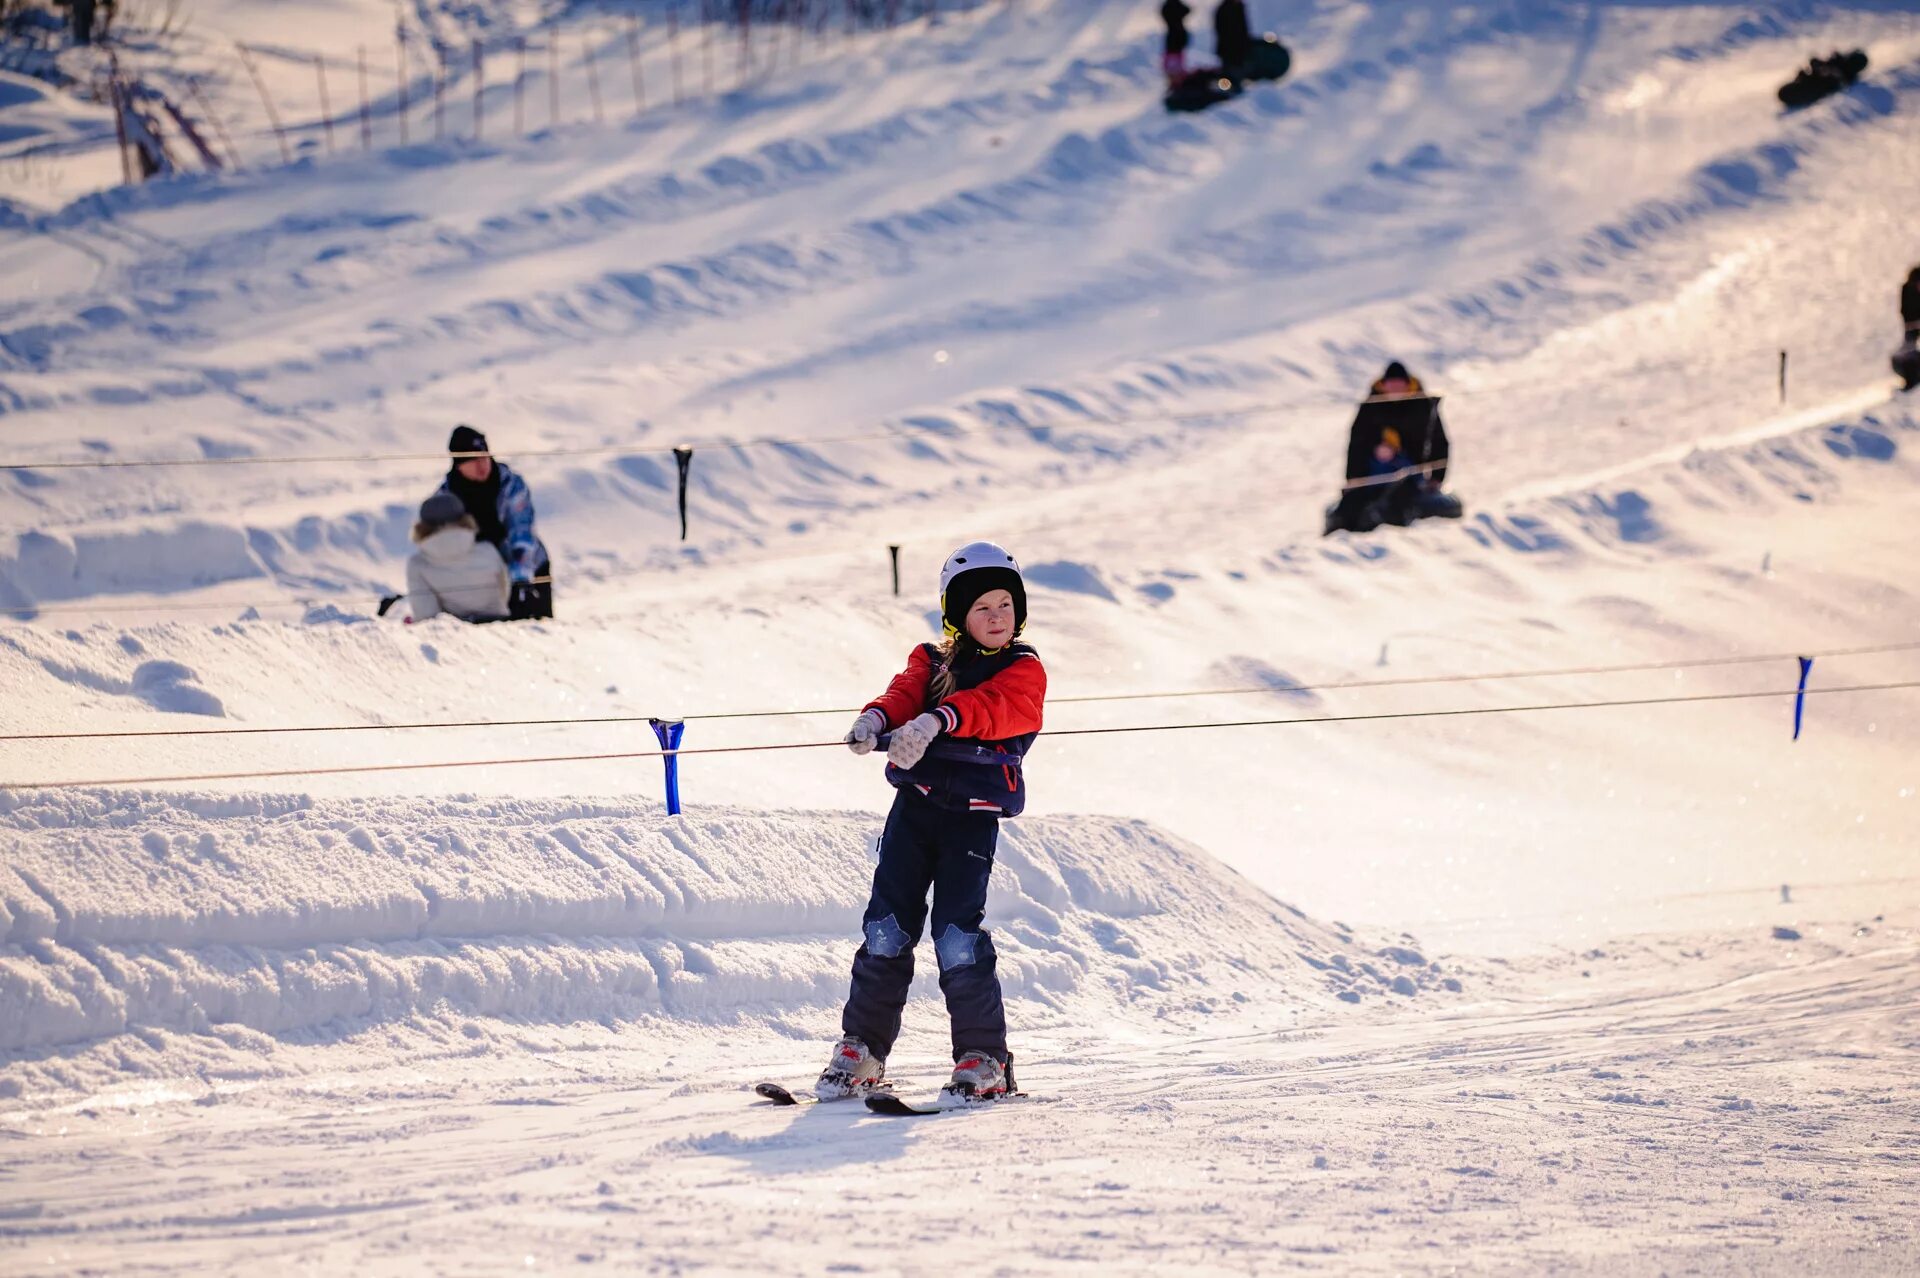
x=894, y=1107
x=782, y=1096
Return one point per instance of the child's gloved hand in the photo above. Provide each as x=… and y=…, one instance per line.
x=865, y=731
x=910, y=741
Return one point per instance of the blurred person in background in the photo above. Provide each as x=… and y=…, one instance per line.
x=502, y=508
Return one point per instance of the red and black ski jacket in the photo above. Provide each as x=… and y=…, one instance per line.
x=990, y=722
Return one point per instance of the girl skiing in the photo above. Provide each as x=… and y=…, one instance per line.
x=963, y=716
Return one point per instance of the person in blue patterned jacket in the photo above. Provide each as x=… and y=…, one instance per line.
x=502, y=505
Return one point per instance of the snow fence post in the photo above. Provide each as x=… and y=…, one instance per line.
x=118, y=97
x=1783, y=377
x=683, y=458
x=1800, y=697
x=206, y=109
x=181, y=121
x=894, y=553
x=593, y=78
x=479, y=55
x=400, y=76
x=669, y=732
x=520, y=86
x=266, y=100
x=326, y=99
x=439, y=91
x=366, y=113
x=633, y=66
x=673, y=47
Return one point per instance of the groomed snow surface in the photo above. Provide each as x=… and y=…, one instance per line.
x=1618, y=990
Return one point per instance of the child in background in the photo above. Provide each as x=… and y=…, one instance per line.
x=963, y=716
x=1388, y=459
x=453, y=571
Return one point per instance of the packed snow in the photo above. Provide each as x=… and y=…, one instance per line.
x=1628, y=988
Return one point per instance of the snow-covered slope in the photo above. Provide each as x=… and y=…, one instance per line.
x=1121, y=342
x=909, y=288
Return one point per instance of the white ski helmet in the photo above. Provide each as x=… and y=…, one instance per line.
x=973, y=570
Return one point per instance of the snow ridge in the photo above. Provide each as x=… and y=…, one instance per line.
x=279, y=914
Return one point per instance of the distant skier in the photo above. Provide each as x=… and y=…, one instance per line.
x=453, y=571
x=1396, y=458
x=502, y=509
x=963, y=716
x=1232, y=39
x=1906, y=360
x=1174, y=60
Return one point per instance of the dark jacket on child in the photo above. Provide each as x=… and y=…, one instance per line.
x=990, y=723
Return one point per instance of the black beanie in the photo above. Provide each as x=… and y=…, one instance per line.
x=967, y=588
x=467, y=440
x=1396, y=371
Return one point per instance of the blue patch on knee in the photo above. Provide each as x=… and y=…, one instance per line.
x=887, y=939
x=955, y=948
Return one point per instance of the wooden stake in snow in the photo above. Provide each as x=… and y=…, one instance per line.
x=1783, y=377
x=479, y=91
x=744, y=64
x=326, y=102
x=192, y=135
x=520, y=86
x=593, y=79
x=266, y=100
x=706, y=51
x=206, y=110
x=893, y=552
x=366, y=112
x=400, y=78
x=119, y=101
x=673, y=47
x=633, y=65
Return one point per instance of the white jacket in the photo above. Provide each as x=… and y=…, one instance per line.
x=455, y=572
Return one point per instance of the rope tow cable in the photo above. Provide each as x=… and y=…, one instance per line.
x=1069, y=732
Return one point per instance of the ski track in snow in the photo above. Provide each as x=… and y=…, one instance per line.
x=1539, y=1134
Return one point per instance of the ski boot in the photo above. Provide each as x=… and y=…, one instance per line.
x=978, y=1076
x=853, y=1071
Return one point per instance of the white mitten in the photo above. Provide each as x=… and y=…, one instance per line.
x=866, y=731
x=910, y=740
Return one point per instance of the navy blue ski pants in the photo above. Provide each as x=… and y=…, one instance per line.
x=924, y=847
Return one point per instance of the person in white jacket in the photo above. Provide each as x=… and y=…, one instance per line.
x=454, y=571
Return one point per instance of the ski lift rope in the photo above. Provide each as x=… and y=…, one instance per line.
x=623, y=755
x=1650, y=667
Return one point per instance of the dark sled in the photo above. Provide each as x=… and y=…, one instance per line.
x=1823, y=78
x=1906, y=362
x=1201, y=89
x=1268, y=60
x=1361, y=510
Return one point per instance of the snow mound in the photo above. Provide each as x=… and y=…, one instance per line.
x=193, y=914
